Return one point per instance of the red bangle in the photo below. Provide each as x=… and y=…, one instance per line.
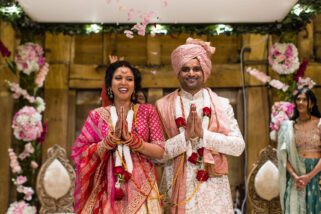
x=136, y=143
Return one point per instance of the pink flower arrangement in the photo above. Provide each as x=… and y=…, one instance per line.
x=14, y=164
x=29, y=58
x=280, y=111
x=267, y=79
x=18, y=91
x=27, y=124
x=41, y=75
x=27, y=191
x=259, y=75
x=21, y=180
x=308, y=82
x=34, y=165
x=283, y=57
x=27, y=151
x=278, y=85
x=21, y=207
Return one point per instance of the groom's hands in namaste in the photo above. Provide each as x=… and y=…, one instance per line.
x=189, y=131
x=198, y=128
x=193, y=124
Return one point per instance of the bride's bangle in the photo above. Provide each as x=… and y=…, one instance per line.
x=136, y=143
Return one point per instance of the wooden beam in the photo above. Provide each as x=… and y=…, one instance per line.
x=56, y=116
x=58, y=48
x=258, y=45
x=258, y=119
x=305, y=42
x=7, y=36
x=153, y=50
x=57, y=77
x=60, y=55
x=154, y=94
x=89, y=77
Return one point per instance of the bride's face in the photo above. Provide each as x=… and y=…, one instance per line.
x=123, y=84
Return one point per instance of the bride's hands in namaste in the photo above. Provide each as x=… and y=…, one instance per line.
x=125, y=135
x=119, y=125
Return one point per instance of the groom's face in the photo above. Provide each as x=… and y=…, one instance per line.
x=191, y=76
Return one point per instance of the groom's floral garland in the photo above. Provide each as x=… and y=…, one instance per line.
x=194, y=156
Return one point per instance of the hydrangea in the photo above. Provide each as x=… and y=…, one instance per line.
x=27, y=124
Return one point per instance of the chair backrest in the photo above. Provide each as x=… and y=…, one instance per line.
x=55, y=182
x=262, y=183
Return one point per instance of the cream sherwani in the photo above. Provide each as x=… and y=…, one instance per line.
x=214, y=195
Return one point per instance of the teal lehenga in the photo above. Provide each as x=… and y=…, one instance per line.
x=296, y=201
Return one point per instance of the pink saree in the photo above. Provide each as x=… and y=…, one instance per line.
x=95, y=181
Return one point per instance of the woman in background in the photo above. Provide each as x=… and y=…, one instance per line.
x=299, y=153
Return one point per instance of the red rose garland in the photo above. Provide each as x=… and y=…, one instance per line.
x=196, y=157
x=122, y=176
x=180, y=122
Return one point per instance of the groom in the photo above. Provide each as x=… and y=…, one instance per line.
x=201, y=131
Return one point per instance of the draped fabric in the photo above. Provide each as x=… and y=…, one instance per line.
x=292, y=199
x=95, y=181
x=223, y=137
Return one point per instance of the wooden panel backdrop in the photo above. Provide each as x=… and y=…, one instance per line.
x=77, y=69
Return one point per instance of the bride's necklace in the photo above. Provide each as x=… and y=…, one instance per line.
x=303, y=120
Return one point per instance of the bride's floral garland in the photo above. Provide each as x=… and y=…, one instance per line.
x=122, y=152
x=123, y=167
x=195, y=156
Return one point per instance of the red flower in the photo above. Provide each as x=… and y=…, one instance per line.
x=4, y=50
x=206, y=111
x=180, y=122
x=193, y=158
x=202, y=175
x=200, y=151
x=119, y=194
x=300, y=72
x=42, y=137
x=119, y=170
x=127, y=176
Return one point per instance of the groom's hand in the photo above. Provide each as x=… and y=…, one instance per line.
x=189, y=131
x=198, y=127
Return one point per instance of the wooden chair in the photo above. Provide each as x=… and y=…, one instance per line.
x=55, y=182
x=264, y=204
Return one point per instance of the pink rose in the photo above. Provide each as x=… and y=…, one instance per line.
x=34, y=165
x=21, y=180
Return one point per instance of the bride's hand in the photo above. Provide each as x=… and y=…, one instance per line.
x=125, y=134
x=119, y=125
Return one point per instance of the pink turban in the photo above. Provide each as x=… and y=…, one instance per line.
x=194, y=48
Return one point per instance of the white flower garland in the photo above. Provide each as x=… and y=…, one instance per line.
x=205, y=120
x=123, y=150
